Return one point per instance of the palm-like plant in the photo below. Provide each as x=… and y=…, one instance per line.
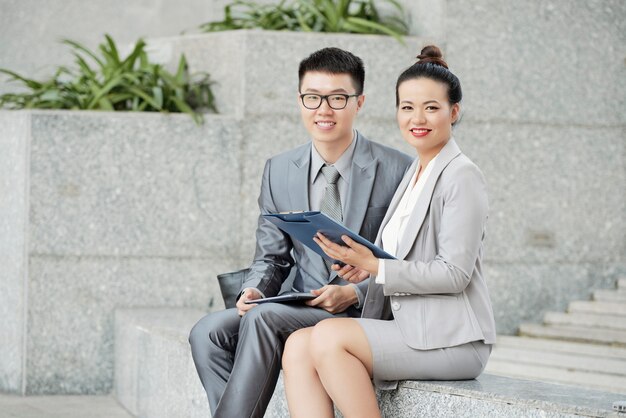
x=351, y=16
x=115, y=83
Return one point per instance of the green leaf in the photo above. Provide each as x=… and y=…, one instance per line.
x=182, y=69
x=79, y=47
x=29, y=83
x=145, y=97
x=157, y=93
x=360, y=24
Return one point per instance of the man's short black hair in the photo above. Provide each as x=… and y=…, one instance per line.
x=334, y=61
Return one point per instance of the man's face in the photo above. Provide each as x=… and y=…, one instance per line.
x=325, y=124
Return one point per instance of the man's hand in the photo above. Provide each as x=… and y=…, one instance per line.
x=350, y=273
x=248, y=294
x=334, y=298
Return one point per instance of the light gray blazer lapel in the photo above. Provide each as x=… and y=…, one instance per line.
x=395, y=200
x=447, y=154
x=298, y=175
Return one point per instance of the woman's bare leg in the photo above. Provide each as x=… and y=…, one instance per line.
x=306, y=396
x=343, y=359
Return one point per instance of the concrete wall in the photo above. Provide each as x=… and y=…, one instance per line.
x=103, y=211
x=14, y=164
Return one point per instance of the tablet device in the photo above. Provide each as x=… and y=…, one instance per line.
x=285, y=297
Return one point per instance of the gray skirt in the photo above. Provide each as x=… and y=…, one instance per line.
x=394, y=360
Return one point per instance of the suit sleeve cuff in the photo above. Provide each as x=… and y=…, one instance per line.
x=253, y=288
x=359, y=296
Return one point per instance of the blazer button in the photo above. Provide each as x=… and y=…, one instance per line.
x=396, y=294
x=395, y=306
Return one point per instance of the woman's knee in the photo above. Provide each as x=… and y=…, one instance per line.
x=296, y=352
x=326, y=339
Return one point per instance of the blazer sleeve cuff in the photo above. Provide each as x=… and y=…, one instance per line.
x=359, y=295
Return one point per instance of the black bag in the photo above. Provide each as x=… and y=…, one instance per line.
x=230, y=286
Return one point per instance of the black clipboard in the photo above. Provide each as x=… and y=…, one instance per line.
x=303, y=226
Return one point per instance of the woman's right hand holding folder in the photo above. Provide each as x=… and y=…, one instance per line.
x=359, y=260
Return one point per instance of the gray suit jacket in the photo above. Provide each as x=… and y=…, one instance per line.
x=436, y=289
x=376, y=172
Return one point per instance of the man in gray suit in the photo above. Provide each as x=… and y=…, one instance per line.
x=238, y=351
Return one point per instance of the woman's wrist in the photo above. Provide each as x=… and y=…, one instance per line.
x=372, y=267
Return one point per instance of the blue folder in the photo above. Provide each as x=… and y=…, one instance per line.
x=303, y=226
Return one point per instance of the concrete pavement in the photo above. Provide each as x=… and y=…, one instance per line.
x=77, y=406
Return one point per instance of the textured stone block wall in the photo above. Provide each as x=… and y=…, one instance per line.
x=105, y=211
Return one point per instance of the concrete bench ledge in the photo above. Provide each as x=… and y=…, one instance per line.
x=495, y=396
x=155, y=377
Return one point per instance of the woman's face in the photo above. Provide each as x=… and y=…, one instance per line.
x=425, y=116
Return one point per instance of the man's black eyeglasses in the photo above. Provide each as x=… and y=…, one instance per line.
x=335, y=101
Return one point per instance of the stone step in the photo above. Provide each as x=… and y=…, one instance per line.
x=574, y=333
x=155, y=377
x=154, y=373
x=603, y=308
x=547, y=373
x=604, y=295
x=559, y=346
x=568, y=361
x=585, y=320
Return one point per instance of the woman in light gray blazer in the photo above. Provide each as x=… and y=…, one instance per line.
x=427, y=313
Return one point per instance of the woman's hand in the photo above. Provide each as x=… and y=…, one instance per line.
x=354, y=254
x=350, y=273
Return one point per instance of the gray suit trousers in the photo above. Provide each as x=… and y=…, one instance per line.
x=239, y=358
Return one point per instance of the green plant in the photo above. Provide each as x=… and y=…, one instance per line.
x=352, y=16
x=131, y=83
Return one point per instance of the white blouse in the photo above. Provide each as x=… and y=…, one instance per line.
x=396, y=227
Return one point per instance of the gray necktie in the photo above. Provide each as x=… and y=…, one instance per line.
x=331, y=202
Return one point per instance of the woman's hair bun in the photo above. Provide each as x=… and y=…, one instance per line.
x=433, y=54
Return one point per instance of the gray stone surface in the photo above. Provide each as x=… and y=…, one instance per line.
x=557, y=62
x=490, y=395
x=105, y=210
x=427, y=18
x=524, y=292
x=14, y=144
x=71, y=304
x=154, y=373
x=553, y=191
x=133, y=184
x=14, y=406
